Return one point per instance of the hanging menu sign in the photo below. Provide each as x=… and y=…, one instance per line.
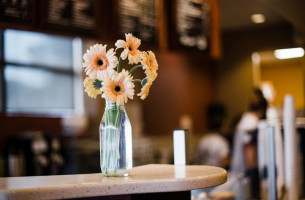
x=19, y=11
x=75, y=14
x=193, y=22
x=138, y=17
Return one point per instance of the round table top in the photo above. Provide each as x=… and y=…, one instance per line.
x=143, y=179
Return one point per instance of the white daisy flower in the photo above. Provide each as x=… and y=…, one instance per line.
x=100, y=63
x=130, y=47
x=118, y=88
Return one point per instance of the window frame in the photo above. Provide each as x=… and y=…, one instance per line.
x=75, y=72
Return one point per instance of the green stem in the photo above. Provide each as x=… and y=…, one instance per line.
x=107, y=117
x=119, y=65
x=137, y=80
x=134, y=68
x=117, y=116
x=109, y=142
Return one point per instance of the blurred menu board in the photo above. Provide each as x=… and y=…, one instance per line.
x=75, y=14
x=15, y=10
x=193, y=22
x=138, y=17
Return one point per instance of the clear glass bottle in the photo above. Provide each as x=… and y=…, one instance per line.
x=115, y=141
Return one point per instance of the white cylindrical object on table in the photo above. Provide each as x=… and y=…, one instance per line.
x=180, y=147
x=290, y=144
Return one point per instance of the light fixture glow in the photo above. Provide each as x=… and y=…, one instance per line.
x=289, y=53
x=256, y=58
x=258, y=18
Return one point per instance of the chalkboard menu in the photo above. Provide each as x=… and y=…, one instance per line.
x=193, y=22
x=138, y=17
x=19, y=11
x=73, y=14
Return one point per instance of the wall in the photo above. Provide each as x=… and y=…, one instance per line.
x=287, y=77
x=184, y=87
x=234, y=70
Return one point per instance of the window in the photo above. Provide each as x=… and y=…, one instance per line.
x=41, y=73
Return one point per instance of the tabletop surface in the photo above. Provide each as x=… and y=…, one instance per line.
x=143, y=179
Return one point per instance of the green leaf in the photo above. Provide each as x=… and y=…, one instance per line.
x=144, y=81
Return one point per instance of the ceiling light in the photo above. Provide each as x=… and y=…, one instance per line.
x=289, y=53
x=258, y=18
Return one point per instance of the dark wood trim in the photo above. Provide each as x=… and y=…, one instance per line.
x=55, y=70
x=107, y=20
x=162, y=24
x=172, y=24
x=12, y=126
x=2, y=78
x=41, y=24
x=184, y=195
x=215, y=40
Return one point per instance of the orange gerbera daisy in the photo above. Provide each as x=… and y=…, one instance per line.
x=118, y=88
x=150, y=64
x=130, y=47
x=99, y=63
x=145, y=89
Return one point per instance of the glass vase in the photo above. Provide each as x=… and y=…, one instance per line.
x=115, y=141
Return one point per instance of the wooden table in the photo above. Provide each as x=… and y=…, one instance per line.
x=145, y=182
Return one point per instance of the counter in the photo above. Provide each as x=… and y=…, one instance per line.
x=145, y=182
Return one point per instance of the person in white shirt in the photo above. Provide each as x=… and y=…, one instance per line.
x=213, y=146
x=244, y=159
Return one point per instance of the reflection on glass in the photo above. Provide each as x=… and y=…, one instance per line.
x=37, y=49
x=37, y=89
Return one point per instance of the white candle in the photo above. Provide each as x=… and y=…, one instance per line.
x=290, y=144
x=180, y=147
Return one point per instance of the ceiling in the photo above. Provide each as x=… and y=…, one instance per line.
x=235, y=14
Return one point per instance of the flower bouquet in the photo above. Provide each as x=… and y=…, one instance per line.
x=116, y=85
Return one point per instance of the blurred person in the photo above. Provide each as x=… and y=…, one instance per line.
x=274, y=111
x=213, y=146
x=244, y=160
x=273, y=117
x=245, y=133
